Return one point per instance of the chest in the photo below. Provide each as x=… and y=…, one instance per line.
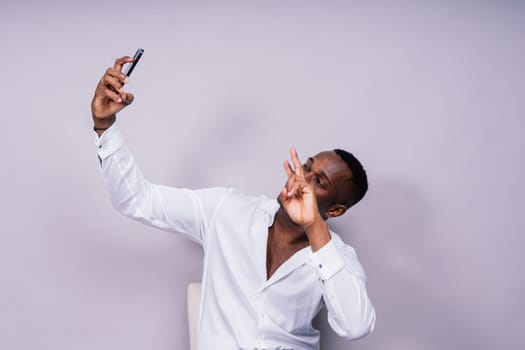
x=244, y=271
x=252, y=251
x=278, y=252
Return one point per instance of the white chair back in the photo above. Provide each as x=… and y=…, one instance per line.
x=194, y=300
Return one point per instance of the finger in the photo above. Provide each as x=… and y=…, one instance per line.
x=288, y=168
x=300, y=186
x=295, y=186
x=116, y=74
x=110, y=95
x=112, y=83
x=284, y=200
x=298, y=167
x=128, y=98
x=290, y=184
x=119, y=62
x=296, y=190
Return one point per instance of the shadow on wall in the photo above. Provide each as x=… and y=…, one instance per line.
x=407, y=270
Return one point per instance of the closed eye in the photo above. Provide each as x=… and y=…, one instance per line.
x=318, y=182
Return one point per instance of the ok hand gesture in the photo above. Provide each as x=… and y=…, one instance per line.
x=298, y=196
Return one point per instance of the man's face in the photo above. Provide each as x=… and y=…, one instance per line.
x=330, y=177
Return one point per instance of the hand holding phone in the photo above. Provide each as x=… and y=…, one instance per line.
x=109, y=96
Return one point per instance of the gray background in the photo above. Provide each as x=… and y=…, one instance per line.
x=429, y=95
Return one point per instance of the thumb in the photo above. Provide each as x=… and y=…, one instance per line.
x=127, y=98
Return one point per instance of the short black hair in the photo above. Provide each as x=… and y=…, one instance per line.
x=359, y=179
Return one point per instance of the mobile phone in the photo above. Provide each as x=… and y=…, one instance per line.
x=132, y=65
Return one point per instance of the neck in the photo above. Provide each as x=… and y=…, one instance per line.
x=286, y=229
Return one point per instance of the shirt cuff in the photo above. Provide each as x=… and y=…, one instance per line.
x=327, y=260
x=109, y=142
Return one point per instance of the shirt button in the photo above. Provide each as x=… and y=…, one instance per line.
x=320, y=266
x=99, y=146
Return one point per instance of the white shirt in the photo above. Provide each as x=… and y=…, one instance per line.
x=240, y=308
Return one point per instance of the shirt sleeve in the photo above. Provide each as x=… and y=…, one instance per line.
x=343, y=284
x=184, y=211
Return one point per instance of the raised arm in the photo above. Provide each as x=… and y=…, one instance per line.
x=183, y=211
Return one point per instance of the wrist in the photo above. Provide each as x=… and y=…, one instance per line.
x=317, y=233
x=102, y=124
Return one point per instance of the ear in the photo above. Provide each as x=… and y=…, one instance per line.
x=335, y=211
